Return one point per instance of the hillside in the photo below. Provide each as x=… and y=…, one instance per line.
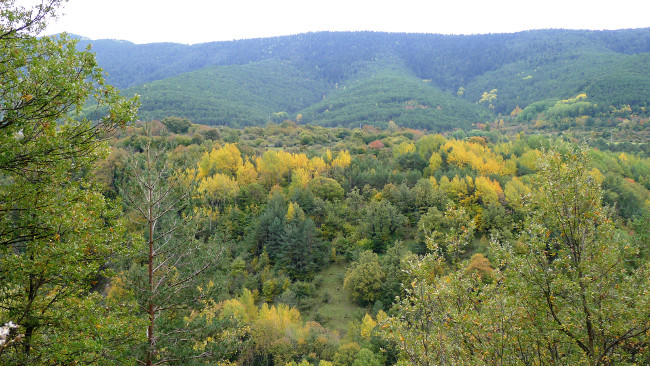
x=394, y=94
x=234, y=95
x=211, y=83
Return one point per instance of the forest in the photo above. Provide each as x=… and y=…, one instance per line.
x=344, y=79
x=517, y=238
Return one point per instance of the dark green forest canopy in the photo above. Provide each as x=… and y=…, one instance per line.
x=244, y=82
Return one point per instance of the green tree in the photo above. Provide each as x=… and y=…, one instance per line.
x=448, y=234
x=301, y=250
x=572, y=269
x=346, y=354
x=326, y=188
x=57, y=231
x=382, y=224
x=177, y=124
x=571, y=291
x=364, y=278
x=449, y=319
x=366, y=357
x=270, y=227
x=394, y=263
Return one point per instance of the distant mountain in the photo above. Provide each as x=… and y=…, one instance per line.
x=347, y=78
x=235, y=95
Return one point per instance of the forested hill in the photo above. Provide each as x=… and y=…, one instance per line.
x=417, y=80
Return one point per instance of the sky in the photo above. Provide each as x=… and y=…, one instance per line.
x=198, y=21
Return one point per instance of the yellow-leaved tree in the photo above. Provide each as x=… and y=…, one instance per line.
x=343, y=160
x=225, y=160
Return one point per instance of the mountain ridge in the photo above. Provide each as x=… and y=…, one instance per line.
x=523, y=68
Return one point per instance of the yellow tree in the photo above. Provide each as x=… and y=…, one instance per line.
x=299, y=161
x=273, y=167
x=317, y=165
x=489, y=97
x=343, y=160
x=457, y=153
x=226, y=160
x=516, y=193
x=435, y=162
x=403, y=149
x=487, y=190
x=246, y=174
x=218, y=189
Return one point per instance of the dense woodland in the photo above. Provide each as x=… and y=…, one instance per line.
x=512, y=235
x=352, y=78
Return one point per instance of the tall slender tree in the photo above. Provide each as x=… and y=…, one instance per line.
x=167, y=272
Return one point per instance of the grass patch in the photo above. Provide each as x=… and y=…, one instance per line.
x=333, y=308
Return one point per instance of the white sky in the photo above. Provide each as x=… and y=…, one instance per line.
x=197, y=21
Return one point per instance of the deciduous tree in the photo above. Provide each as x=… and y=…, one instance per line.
x=572, y=271
x=364, y=278
x=569, y=292
x=57, y=231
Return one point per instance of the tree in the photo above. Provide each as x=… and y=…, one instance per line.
x=449, y=234
x=343, y=160
x=270, y=227
x=226, y=160
x=57, y=232
x=326, y=188
x=489, y=97
x=382, y=224
x=177, y=124
x=573, y=270
x=366, y=357
x=449, y=319
x=516, y=194
x=301, y=251
x=273, y=167
x=393, y=264
x=166, y=273
x=364, y=278
x=218, y=190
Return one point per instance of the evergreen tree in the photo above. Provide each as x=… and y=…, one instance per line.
x=383, y=223
x=169, y=267
x=270, y=227
x=302, y=251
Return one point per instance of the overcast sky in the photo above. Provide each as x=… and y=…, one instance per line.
x=197, y=21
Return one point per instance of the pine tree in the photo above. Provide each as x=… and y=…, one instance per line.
x=302, y=251
x=270, y=227
x=169, y=267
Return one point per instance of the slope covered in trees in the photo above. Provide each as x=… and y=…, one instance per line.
x=389, y=93
x=609, y=66
x=234, y=95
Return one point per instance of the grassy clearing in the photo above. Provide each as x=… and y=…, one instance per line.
x=333, y=307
